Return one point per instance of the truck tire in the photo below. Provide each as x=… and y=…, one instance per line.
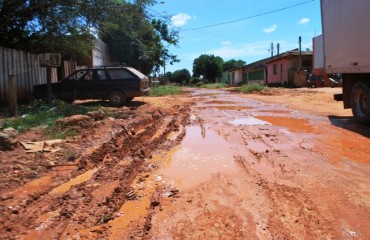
x=117, y=98
x=360, y=102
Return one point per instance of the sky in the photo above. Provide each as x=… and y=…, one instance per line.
x=238, y=29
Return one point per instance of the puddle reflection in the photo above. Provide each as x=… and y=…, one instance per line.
x=199, y=157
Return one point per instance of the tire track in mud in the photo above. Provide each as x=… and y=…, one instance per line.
x=116, y=163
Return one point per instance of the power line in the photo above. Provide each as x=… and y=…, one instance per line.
x=245, y=18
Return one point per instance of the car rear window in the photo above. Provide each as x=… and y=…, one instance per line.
x=136, y=72
x=119, y=74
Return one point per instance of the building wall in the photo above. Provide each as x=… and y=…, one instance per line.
x=236, y=76
x=285, y=65
x=279, y=76
x=100, y=54
x=225, y=77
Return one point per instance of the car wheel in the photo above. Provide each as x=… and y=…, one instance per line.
x=117, y=98
x=129, y=99
x=360, y=102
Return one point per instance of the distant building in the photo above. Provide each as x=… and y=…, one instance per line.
x=289, y=69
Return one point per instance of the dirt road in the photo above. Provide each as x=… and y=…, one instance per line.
x=288, y=164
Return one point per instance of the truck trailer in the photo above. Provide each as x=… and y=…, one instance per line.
x=346, y=46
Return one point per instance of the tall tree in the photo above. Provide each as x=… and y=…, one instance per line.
x=137, y=40
x=233, y=64
x=68, y=26
x=41, y=26
x=181, y=76
x=209, y=66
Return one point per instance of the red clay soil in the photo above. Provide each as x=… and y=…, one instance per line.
x=284, y=164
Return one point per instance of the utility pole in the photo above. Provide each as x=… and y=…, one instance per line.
x=278, y=49
x=300, y=52
x=272, y=50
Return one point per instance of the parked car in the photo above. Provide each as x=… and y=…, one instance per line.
x=116, y=84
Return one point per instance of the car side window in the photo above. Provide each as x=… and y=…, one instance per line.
x=86, y=76
x=99, y=75
x=119, y=74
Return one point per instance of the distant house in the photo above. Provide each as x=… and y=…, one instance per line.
x=289, y=68
x=236, y=76
x=256, y=72
x=233, y=76
x=225, y=77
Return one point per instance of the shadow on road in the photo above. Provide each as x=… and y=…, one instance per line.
x=132, y=104
x=350, y=124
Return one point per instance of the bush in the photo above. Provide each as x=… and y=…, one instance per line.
x=249, y=88
x=199, y=84
x=164, y=90
x=213, y=85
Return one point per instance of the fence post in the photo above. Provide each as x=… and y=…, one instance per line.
x=13, y=101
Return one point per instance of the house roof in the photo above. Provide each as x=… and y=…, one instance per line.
x=290, y=54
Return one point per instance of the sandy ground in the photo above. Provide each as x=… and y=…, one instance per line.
x=284, y=164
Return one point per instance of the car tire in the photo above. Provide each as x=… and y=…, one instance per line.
x=117, y=98
x=360, y=102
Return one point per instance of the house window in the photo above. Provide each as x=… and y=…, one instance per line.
x=274, y=69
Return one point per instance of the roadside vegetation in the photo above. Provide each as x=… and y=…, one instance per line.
x=249, y=88
x=39, y=113
x=211, y=85
x=164, y=90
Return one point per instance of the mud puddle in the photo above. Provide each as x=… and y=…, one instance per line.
x=200, y=155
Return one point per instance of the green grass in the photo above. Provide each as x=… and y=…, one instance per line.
x=212, y=85
x=249, y=88
x=40, y=113
x=164, y=90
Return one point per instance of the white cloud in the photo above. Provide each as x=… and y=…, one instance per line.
x=270, y=29
x=180, y=19
x=226, y=43
x=304, y=21
x=252, y=50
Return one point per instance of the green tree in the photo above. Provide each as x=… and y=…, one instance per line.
x=233, y=64
x=135, y=39
x=181, y=76
x=168, y=76
x=50, y=26
x=134, y=36
x=209, y=66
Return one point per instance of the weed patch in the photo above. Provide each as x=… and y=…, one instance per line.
x=249, y=88
x=164, y=90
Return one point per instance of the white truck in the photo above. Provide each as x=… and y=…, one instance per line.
x=346, y=45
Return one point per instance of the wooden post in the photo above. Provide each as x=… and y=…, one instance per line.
x=13, y=101
x=48, y=85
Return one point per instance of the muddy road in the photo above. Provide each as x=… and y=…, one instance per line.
x=212, y=164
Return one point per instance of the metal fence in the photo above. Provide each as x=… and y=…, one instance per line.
x=27, y=71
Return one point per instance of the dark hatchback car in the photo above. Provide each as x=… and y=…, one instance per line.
x=116, y=84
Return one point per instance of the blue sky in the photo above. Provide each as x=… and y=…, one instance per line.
x=249, y=39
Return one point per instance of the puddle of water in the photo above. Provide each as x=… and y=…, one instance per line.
x=220, y=102
x=340, y=145
x=274, y=111
x=248, y=121
x=198, y=157
x=231, y=108
x=293, y=124
x=133, y=211
x=77, y=180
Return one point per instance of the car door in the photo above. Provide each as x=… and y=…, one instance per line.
x=100, y=83
x=84, y=88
